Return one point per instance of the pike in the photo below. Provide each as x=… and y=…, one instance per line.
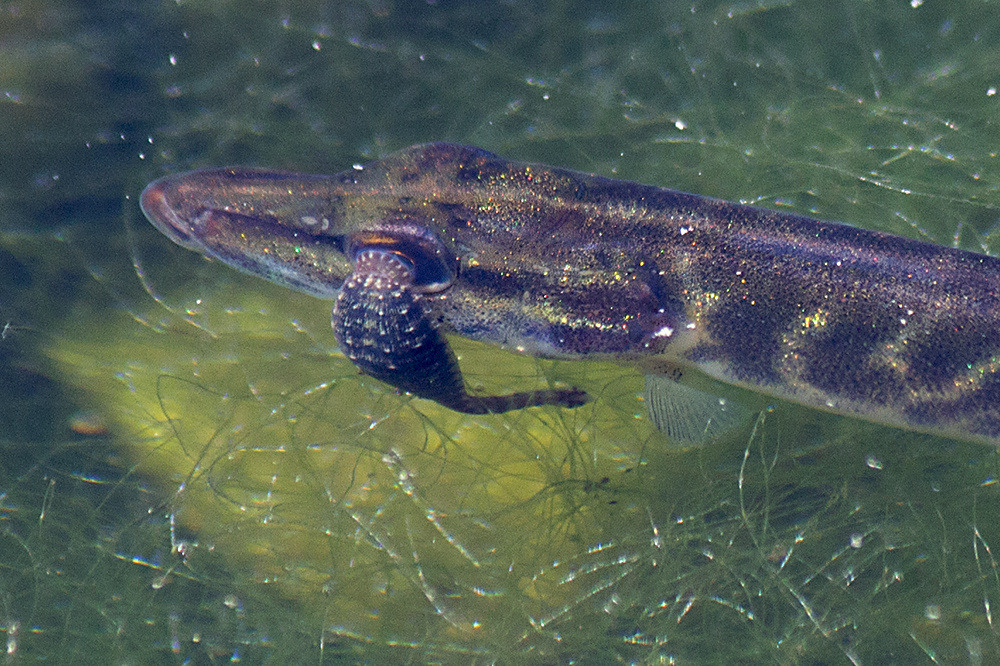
x=442, y=238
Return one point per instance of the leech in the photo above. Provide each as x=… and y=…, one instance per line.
x=382, y=324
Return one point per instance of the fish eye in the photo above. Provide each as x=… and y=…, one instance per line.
x=435, y=267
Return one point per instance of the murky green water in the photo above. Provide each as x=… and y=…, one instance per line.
x=190, y=473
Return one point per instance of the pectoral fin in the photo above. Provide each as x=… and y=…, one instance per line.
x=687, y=415
x=383, y=325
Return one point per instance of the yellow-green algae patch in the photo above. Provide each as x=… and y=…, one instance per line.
x=394, y=520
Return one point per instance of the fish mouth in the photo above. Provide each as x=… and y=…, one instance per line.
x=156, y=205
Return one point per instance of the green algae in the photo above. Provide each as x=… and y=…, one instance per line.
x=402, y=531
x=255, y=499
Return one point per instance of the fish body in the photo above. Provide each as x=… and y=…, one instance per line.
x=562, y=264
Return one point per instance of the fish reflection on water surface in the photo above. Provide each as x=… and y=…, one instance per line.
x=442, y=238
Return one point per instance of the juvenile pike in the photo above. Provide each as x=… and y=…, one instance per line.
x=555, y=263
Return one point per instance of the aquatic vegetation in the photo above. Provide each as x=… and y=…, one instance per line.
x=248, y=465
x=402, y=529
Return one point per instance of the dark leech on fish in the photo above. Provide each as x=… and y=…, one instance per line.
x=441, y=238
x=384, y=325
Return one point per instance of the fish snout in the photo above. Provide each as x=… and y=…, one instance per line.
x=162, y=204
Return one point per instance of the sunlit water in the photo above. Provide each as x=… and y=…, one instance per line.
x=235, y=490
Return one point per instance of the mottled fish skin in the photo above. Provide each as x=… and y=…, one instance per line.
x=562, y=264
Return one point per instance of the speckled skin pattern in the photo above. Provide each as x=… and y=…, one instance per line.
x=557, y=263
